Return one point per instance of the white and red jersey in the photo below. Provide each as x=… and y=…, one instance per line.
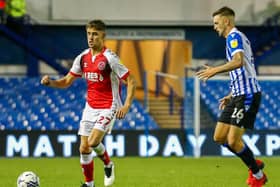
x=103, y=73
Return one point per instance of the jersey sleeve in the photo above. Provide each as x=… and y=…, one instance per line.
x=116, y=65
x=76, y=67
x=234, y=43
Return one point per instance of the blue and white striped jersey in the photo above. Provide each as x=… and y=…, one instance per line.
x=244, y=79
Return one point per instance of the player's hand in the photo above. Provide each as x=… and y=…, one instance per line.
x=206, y=73
x=223, y=102
x=121, y=112
x=45, y=80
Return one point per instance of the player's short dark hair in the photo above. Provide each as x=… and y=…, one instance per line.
x=97, y=24
x=224, y=11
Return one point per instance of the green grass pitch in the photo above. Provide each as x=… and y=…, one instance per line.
x=141, y=172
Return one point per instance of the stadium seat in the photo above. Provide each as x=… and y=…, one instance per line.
x=27, y=105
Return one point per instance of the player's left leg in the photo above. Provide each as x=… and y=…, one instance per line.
x=95, y=142
x=109, y=176
x=244, y=153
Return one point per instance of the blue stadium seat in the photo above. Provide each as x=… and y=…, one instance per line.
x=27, y=105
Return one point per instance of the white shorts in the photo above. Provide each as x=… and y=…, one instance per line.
x=101, y=119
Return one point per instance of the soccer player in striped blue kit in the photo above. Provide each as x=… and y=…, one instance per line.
x=240, y=107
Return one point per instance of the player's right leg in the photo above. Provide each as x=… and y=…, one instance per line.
x=86, y=161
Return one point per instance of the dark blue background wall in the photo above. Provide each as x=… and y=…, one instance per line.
x=65, y=42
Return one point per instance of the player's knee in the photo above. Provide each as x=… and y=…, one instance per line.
x=93, y=142
x=219, y=140
x=84, y=149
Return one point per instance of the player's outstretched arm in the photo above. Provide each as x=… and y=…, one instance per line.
x=131, y=85
x=63, y=82
x=208, y=71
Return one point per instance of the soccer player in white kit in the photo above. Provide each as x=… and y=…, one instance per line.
x=104, y=73
x=240, y=107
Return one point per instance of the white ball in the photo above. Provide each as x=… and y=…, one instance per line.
x=28, y=179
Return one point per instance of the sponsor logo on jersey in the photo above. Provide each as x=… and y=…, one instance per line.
x=233, y=43
x=101, y=65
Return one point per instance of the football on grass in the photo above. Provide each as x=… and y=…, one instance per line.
x=28, y=179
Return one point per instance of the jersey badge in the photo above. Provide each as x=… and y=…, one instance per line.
x=233, y=43
x=101, y=65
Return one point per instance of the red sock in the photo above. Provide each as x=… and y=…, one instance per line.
x=88, y=171
x=105, y=158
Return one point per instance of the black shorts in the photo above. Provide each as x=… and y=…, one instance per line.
x=241, y=111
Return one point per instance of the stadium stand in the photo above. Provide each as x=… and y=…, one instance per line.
x=58, y=42
x=26, y=105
